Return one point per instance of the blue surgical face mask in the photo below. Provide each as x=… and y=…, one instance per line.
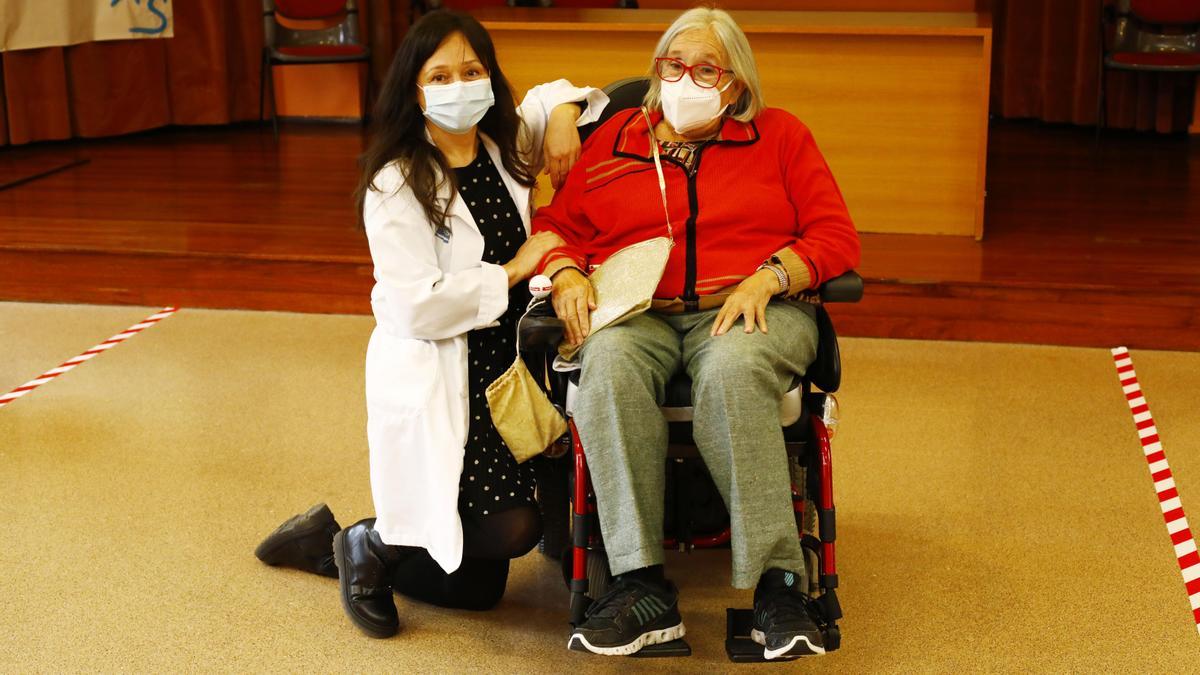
x=458, y=107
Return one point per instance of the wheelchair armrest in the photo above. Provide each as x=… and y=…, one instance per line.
x=845, y=288
x=540, y=329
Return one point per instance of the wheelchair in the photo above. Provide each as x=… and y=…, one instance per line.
x=695, y=515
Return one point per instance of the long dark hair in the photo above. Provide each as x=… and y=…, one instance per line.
x=398, y=123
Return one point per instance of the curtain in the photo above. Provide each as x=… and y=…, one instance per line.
x=1044, y=66
x=207, y=74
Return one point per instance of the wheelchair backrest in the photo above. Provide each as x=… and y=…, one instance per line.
x=622, y=95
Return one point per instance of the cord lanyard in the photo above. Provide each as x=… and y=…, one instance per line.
x=662, y=181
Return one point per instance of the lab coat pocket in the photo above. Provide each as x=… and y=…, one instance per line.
x=401, y=374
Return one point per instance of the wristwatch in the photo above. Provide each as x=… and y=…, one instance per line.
x=776, y=266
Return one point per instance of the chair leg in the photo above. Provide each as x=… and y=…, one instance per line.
x=274, y=112
x=1103, y=47
x=262, y=85
x=366, y=98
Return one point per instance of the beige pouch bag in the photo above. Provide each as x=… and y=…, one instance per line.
x=526, y=419
x=625, y=283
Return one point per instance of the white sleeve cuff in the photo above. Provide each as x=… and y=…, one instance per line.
x=553, y=94
x=596, y=101
x=493, y=294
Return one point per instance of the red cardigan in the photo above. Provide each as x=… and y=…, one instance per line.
x=762, y=189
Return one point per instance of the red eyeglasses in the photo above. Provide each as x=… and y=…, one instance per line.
x=705, y=75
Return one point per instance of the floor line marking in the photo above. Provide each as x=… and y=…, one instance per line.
x=1164, y=481
x=74, y=362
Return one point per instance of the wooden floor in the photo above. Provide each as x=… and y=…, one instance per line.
x=1084, y=245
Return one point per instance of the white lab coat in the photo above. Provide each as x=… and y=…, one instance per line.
x=429, y=292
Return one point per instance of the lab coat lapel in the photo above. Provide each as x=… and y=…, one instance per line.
x=458, y=210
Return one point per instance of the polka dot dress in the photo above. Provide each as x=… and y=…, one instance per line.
x=492, y=481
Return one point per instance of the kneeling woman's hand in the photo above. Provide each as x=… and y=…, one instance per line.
x=525, y=263
x=573, y=299
x=561, y=145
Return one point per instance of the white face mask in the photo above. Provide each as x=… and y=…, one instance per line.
x=458, y=107
x=688, y=106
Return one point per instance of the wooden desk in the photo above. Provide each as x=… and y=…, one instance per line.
x=898, y=101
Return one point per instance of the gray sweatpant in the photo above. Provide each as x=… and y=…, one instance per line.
x=737, y=382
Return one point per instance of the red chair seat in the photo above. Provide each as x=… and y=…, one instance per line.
x=1177, y=12
x=322, y=50
x=586, y=4
x=471, y=5
x=310, y=9
x=1158, y=59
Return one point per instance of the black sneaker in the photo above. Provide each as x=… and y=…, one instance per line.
x=783, y=617
x=633, y=614
x=304, y=541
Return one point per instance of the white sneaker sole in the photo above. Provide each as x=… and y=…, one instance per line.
x=772, y=654
x=654, y=637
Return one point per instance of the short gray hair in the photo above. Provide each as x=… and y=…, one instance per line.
x=737, y=48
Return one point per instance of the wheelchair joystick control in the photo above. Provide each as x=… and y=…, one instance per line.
x=540, y=286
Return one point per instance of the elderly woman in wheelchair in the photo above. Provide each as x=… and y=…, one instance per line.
x=764, y=225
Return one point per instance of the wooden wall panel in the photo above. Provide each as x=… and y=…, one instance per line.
x=898, y=107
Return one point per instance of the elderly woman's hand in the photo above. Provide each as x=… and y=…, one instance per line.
x=561, y=146
x=750, y=300
x=573, y=299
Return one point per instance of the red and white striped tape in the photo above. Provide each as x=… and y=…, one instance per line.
x=1164, y=481
x=72, y=363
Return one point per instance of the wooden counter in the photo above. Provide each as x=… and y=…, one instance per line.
x=897, y=101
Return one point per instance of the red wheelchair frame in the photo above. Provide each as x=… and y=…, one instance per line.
x=816, y=451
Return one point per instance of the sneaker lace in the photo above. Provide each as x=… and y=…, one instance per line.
x=612, y=603
x=790, y=606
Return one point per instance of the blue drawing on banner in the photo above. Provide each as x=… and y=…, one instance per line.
x=162, y=18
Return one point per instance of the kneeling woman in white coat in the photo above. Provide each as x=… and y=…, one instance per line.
x=445, y=201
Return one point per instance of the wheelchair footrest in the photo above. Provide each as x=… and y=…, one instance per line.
x=678, y=647
x=739, y=646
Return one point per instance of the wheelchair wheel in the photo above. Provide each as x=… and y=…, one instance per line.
x=599, y=578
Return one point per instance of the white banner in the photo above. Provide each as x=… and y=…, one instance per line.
x=30, y=24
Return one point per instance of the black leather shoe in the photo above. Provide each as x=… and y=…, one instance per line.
x=363, y=578
x=304, y=541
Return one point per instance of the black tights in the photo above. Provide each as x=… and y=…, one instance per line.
x=489, y=542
